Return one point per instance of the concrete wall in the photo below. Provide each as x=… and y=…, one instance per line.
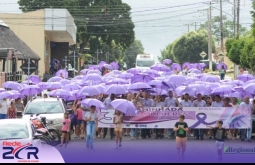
x=29, y=27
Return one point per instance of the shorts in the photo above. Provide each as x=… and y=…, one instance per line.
x=219, y=145
x=79, y=122
x=65, y=132
x=181, y=142
x=118, y=129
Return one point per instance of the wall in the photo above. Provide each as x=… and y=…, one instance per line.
x=29, y=27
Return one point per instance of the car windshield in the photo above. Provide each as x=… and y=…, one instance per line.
x=13, y=131
x=145, y=63
x=44, y=108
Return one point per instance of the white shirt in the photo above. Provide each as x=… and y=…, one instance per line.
x=217, y=104
x=5, y=105
x=201, y=103
x=184, y=103
x=92, y=115
x=107, y=103
x=170, y=102
x=248, y=106
x=160, y=104
x=147, y=103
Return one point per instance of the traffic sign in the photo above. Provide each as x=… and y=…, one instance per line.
x=203, y=54
x=28, y=68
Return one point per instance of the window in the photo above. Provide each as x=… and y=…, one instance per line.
x=44, y=108
x=13, y=131
x=145, y=63
x=33, y=129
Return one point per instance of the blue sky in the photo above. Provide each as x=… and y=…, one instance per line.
x=160, y=22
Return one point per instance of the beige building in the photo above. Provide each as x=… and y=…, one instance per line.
x=42, y=29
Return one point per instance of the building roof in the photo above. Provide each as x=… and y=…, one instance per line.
x=10, y=40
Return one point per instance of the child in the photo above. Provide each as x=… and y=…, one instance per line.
x=12, y=111
x=181, y=129
x=65, y=129
x=118, y=121
x=220, y=137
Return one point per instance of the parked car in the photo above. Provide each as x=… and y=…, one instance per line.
x=19, y=130
x=206, y=62
x=51, y=108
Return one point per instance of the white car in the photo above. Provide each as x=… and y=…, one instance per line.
x=19, y=130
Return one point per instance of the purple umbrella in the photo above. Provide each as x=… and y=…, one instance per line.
x=223, y=90
x=238, y=82
x=160, y=67
x=197, y=66
x=194, y=71
x=167, y=62
x=245, y=77
x=95, y=102
x=114, y=65
x=177, y=80
x=211, y=86
x=248, y=82
x=30, y=90
x=116, y=72
x=179, y=90
x=139, y=86
x=117, y=81
x=107, y=66
x=74, y=96
x=212, y=79
x=93, y=67
x=133, y=71
x=220, y=65
x=42, y=85
x=10, y=95
x=236, y=95
x=64, y=82
x=125, y=76
x=124, y=106
x=176, y=66
x=34, y=78
x=71, y=87
x=2, y=90
x=62, y=73
x=54, y=85
x=79, y=77
x=28, y=82
x=93, y=77
x=115, y=89
x=168, y=73
x=141, y=77
x=59, y=93
x=152, y=73
x=159, y=84
x=186, y=65
x=55, y=79
x=84, y=71
x=12, y=85
x=202, y=65
x=106, y=79
x=158, y=91
x=190, y=80
x=88, y=91
x=94, y=72
x=100, y=87
x=250, y=88
x=195, y=89
x=80, y=82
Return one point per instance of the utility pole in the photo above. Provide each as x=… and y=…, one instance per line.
x=238, y=18
x=221, y=30
x=97, y=55
x=234, y=12
x=210, y=36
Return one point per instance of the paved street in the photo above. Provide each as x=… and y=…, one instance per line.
x=151, y=151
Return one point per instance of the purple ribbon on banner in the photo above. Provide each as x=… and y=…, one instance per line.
x=201, y=120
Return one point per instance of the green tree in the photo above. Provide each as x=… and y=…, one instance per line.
x=131, y=53
x=188, y=47
x=253, y=18
x=247, y=58
x=228, y=28
x=168, y=53
x=106, y=20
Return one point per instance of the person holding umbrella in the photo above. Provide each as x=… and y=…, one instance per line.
x=92, y=123
x=222, y=73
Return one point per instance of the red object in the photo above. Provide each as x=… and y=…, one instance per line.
x=37, y=124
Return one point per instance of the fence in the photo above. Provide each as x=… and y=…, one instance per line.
x=16, y=76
